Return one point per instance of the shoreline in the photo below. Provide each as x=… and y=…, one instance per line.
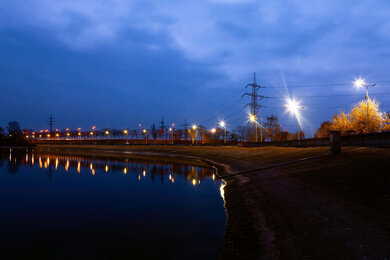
x=282, y=212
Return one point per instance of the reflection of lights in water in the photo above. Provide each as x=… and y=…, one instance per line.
x=173, y=180
x=56, y=163
x=10, y=156
x=106, y=168
x=222, y=192
x=40, y=162
x=198, y=181
x=144, y=173
x=213, y=176
x=32, y=159
x=193, y=182
x=67, y=165
x=78, y=167
x=93, y=172
x=139, y=177
x=124, y=170
x=48, y=161
x=26, y=157
x=170, y=176
x=91, y=166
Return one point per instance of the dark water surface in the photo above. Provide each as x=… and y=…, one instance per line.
x=64, y=207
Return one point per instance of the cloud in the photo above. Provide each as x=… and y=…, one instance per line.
x=233, y=37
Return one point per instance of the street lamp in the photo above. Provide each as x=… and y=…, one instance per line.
x=223, y=125
x=360, y=83
x=146, y=136
x=293, y=106
x=126, y=132
x=252, y=119
x=171, y=130
x=194, y=133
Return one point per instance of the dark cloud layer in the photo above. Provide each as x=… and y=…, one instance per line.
x=118, y=63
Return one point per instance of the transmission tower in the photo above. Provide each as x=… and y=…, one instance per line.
x=162, y=124
x=255, y=104
x=51, y=121
x=164, y=128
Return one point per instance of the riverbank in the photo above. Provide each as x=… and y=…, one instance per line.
x=331, y=207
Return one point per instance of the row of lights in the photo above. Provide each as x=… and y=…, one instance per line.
x=292, y=106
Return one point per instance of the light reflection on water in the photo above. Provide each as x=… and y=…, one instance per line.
x=142, y=208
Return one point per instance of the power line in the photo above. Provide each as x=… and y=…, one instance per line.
x=322, y=85
x=338, y=95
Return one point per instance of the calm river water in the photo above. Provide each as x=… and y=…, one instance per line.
x=54, y=206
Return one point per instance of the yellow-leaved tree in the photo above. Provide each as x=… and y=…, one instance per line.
x=341, y=122
x=365, y=117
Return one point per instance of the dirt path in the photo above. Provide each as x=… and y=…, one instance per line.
x=332, y=207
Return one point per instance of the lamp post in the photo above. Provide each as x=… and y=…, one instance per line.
x=195, y=133
x=126, y=133
x=293, y=106
x=146, y=136
x=223, y=125
x=361, y=83
x=171, y=130
x=252, y=119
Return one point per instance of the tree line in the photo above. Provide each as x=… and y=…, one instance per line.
x=365, y=117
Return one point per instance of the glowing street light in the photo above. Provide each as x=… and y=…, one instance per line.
x=144, y=131
x=194, y=127
x=294, y=106
x=223, y=125
x=126, y=132
x=252, y=119
x=171, y=130
x=360, y=83
x=213, y=130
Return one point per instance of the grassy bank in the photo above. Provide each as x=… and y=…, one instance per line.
x=330, y=207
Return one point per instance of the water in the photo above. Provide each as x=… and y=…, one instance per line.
x=61, y=207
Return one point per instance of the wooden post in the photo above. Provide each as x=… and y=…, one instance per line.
x=335, y=142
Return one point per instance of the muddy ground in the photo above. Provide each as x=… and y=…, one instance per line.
x=333, y=207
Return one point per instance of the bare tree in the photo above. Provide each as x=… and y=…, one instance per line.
x=13, y=129
x=241, y=132
x=154, y=131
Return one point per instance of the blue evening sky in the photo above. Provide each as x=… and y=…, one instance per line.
x=120, y=63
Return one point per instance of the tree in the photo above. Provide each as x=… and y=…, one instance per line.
x=13, y=129
x=273, y=128
x=241, y=132
x=356, y=119
x=387, y=125
x=323, y=131
x=341, y=122
x=359, y=113
x=193, y=134
x=154, y=132
x=2, y=134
